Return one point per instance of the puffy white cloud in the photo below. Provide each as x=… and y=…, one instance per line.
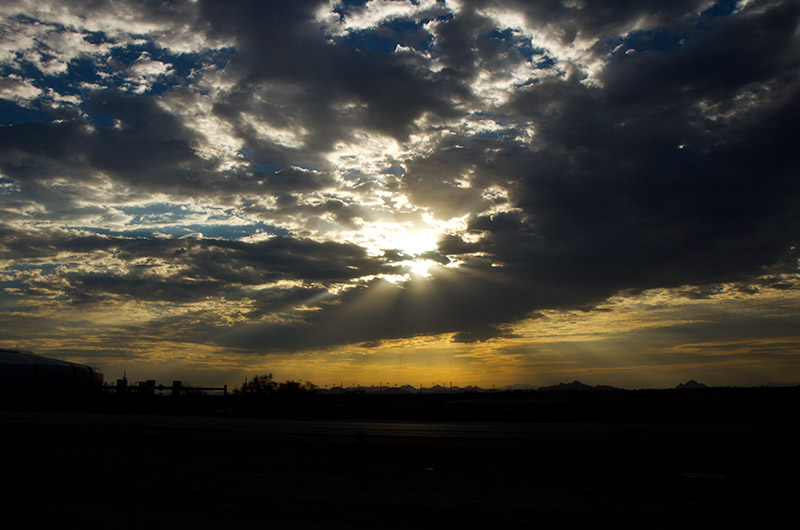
x=373, y=13
x=13, y=87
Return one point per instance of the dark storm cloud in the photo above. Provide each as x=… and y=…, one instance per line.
x=635, y=184
x=381, y=310
x=137, y=143
x=148, y=148
x=677, y=168
x=295, y=179
x=457, y=40
x=570, y=20
x=434, y=181
x=205, y=267
x=95, y=288
x=282, y=43
x=474, y=302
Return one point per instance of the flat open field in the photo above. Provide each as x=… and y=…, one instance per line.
x=150, y=471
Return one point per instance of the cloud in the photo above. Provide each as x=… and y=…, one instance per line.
x=545, y=156
x=323, y=76
x=16, y=89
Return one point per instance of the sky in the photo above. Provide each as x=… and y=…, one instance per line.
x=483, y=192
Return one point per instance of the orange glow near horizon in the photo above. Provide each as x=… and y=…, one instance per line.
x=639, y=341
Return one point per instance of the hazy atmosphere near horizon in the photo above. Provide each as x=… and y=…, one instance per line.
x=483, y=192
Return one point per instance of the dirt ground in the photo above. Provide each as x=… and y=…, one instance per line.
x=149, y=471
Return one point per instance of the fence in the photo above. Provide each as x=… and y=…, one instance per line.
x=149, y=387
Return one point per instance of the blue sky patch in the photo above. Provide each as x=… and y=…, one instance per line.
x=721, y=9
x=13, y=114
x=227, y=232
x=369, y=41
x=162, y=212
x=657, y=40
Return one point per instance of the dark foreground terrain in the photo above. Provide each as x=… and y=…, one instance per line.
x=135, y=470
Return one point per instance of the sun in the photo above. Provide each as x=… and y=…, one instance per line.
x=408, y=242
x=414, y=242
x=405, y=238
x=407, y=245
x=419, y=267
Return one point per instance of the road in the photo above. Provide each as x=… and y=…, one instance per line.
x=148, y=471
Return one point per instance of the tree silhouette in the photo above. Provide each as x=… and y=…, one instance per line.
x=294, y=387
x=259, y=385
x=264, y=384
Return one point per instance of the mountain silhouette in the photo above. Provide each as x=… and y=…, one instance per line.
x=691, y=383
x=577, y=385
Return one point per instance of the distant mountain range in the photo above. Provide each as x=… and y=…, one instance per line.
x=574, y=386
x=440, y=389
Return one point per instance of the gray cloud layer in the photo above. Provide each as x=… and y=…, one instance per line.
x=661, y=155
